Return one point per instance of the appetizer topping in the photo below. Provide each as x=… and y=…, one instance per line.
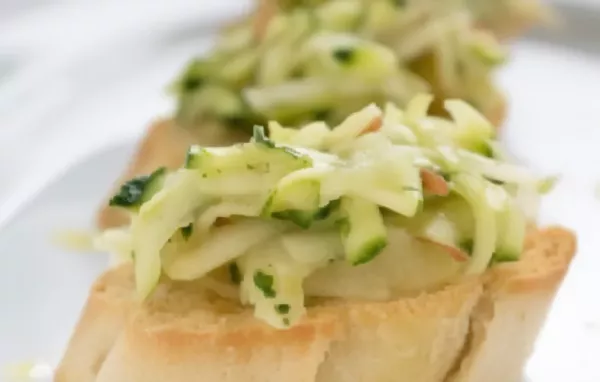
x=186, y=231
x=234, y=274
x=138, y=190
x=324, y=59
x=504, y=17
x=264, y=282
x=386, y=202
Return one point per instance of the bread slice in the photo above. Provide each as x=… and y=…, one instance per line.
x=477, y=330
x=109, y=303
x=164, y=144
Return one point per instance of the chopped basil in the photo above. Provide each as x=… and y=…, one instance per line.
x=264, y=282
x=137, y=190
x=446, y=175
x=467, y=246
x=195, y=76
x=234, y=121
x=190, y=84
x=322, y=115
x=344, y=55
x=282, y=308
x=186, y=231
x=497, y=182
x=234, y=273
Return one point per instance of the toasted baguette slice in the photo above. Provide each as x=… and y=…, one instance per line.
x=478, y=330
x=164, y=145
x=110, y=302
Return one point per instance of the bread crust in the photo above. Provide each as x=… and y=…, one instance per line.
x=110, y=301
x=214, y=340
x=480, y=329
x=517, y=297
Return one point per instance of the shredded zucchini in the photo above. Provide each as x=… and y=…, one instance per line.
x=319, y=201
x=320, y=60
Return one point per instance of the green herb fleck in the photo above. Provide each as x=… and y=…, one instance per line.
x=190, y=84
x=344, y=55
x=250, y=167
x=322, y=115
x=399, y=3
x=264, y=282
x=486, y=150
x=496, y=182
x=186, y=231
x=194, y=76
x=467, y=246
x=446, y=175
x=282, y=308
x=235, y=274
x=233, y=121
x=134, y=192
x=297, y=73
x=286, y=321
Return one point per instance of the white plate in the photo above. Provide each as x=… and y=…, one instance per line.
x=553, y=126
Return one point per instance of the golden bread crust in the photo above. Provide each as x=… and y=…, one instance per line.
x=109, y=303
x=517, y=297
x=480, y=329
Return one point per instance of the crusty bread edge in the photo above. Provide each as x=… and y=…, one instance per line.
x=109, y=303
x=517, y=297
x=506, y=322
